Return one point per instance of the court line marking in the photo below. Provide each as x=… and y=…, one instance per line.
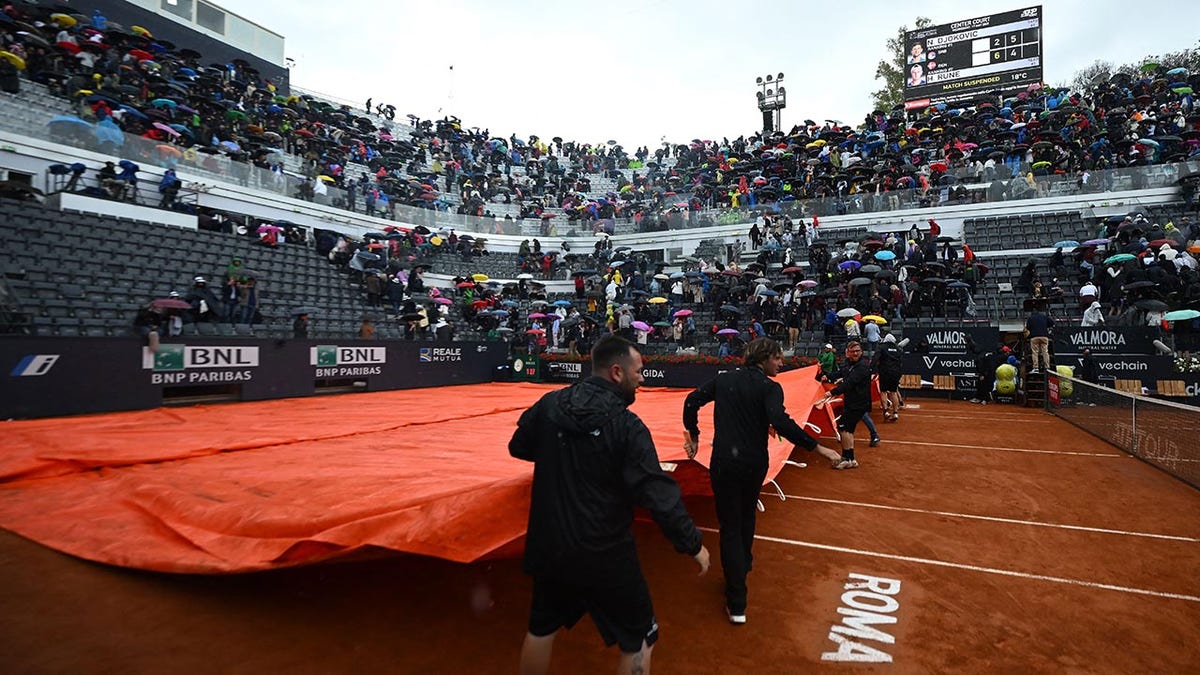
x=1011, y=418
x=995, y=519
x=973, y=568
x=994, y=447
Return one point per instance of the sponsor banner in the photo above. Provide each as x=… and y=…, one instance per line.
x=928, y=365
x=954, y=341
x=343, y=361
x=1115, y=340
x=654, y=374
x=527, y=368
x=1125, y=366
x=64, y=376
x=175, y=364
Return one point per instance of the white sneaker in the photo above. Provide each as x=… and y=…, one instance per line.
x=735, y=619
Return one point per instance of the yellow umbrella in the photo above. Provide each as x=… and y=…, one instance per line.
x=875, y=318
x=64, y=20
x=435, y=240
x=18, y=62
x=141, y=31
x=480, y=277
x=84, y=92
x=657, y=300
x=326, y=179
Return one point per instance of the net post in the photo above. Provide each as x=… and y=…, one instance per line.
x=1133, y=443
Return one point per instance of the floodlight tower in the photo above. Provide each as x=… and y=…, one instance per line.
x=772, y=99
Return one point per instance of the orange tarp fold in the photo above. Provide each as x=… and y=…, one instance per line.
x=270, y=484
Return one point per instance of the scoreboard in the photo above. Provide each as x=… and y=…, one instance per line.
x=957, y=61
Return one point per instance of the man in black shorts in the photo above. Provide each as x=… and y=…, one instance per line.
x=594, y=461
x=854, y=384
x=887, y=364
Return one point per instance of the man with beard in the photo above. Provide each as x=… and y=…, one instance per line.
x=854, y=385
x=594, y=461
x=748, y=402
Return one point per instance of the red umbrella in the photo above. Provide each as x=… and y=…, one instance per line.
x=69, y=47
x=465, y=284
x=168, y=303
x=479, y=304
x=141, y=55
x=535, y=331
x=792, y=270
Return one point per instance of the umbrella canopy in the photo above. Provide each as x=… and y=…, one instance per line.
x=860, y=281
x=1181, y=315
x=848, y=313
x=731, y=309
x=885, y=255
x=1119, y=258
x=1151, y=305
x=728, y=331
x=807, y=283
x=683, y=312
x=657, y=300
x=161, y=304
x=849, y=265
x=875, y=318
x=480, y=277
x=1066, y=243
x=641, y=325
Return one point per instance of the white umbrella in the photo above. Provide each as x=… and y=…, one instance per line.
x=848, y=313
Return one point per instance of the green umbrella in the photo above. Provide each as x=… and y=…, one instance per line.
x=1181, y=315
x=1149, y=66
x=1182, y=90
x=235, y=115
x=1120, y=257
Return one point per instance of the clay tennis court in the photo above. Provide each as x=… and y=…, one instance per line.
x=974, y=539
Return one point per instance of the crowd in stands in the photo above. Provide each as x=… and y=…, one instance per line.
x=124, y=80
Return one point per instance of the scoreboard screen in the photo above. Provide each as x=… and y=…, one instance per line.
x=956, y=61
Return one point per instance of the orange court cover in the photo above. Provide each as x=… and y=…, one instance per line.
x=254, y=486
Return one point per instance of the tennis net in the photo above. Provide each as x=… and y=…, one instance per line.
x=1162, y=433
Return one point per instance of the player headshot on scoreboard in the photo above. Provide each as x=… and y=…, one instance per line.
x=916, y=54
x=916, y=76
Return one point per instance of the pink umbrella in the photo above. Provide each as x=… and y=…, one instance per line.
x=443, y=301
x=165, y=129
x=807, y=283
x=727, y=331
x=537, y=315
x=684, y=312
x=641, y=325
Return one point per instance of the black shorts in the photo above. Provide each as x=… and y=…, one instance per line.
x=849, y=420
x=889, y=382
x=618, y=602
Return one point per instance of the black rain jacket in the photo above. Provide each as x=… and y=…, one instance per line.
x=594, y=461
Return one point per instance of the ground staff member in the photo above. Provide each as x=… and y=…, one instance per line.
x=854, y=385
x=594, y=461
x=747, y=403
x=888, y=365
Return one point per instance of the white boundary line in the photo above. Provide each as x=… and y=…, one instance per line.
x=1081, y=528
x=1013, y=418
x=974, y=568
x=994, y=447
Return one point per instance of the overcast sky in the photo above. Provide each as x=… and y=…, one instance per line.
x=638, y=70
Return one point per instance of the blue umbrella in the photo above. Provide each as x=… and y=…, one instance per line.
x=182, y=129
x=885, y=255
x=768, y=292
x=850, y=265
x=186, y=71
x=678, y=275
x=510, y=303
x=107, y=131
x=500, y=313
x=562, y=303
x=67, y=123
x=231, y=146
x=1177, y=71
x=1066, y=243
x=163, y=103
x=130, y=110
